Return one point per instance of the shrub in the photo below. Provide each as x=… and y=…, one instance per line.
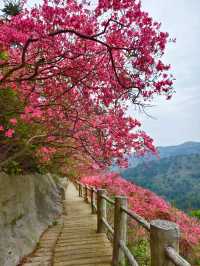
x=151, y=206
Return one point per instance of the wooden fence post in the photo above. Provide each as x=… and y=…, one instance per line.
x=86, y=194
x=92, y=200
x=163, y=234
x=120, y=231
x=101, y=210
x=76, y=184
x=79, y=189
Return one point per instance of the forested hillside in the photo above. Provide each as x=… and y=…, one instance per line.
x=176, y=178
x=185, y=148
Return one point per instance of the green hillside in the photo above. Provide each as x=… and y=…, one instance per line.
x=176, y=178
x=186, y=148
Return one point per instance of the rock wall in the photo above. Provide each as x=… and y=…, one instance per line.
x=28, y=205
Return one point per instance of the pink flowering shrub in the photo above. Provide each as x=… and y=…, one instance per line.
x=9, y=133
x=150, y=206
x=45, y=153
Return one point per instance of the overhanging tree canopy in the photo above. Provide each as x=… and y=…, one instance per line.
x=75, y=67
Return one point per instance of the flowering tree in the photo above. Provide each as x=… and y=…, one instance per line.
x=75, y=66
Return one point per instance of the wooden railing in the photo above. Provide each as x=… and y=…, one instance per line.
x=164, y=235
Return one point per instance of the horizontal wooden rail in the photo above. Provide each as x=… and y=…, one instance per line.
x=108, y=226
x=164, y=235
x=89, y=188
x=137, y=218
x=175, y=257
x=128, y=254
x=109, y=200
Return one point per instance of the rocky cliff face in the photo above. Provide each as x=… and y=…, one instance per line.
x=28, y=205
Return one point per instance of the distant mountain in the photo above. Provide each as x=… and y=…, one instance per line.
x=186, y=148
x=176, y=176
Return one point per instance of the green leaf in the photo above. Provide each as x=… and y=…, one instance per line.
x=4, y=55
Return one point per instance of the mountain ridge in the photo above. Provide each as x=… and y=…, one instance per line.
x=176, y=178
x=186, y=148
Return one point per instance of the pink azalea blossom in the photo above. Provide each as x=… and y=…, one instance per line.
x=9, y=133
x=13, y=121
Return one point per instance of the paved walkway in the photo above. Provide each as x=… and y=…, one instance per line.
x=73, y=241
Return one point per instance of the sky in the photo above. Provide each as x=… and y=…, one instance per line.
x=178, y=120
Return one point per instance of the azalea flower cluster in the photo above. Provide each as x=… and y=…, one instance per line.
x=76, y=69
x=9, y=132
x=149, y=205
x=45, y=153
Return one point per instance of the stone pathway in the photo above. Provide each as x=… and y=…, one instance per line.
x=73, y=241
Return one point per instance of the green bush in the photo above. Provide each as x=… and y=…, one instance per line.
x=195, y=213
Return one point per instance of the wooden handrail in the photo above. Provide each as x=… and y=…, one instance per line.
x=137, y=218
x=164, y=235
x=108, y=226
x=175, y=257
x=108, y=199
x=128, y=254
